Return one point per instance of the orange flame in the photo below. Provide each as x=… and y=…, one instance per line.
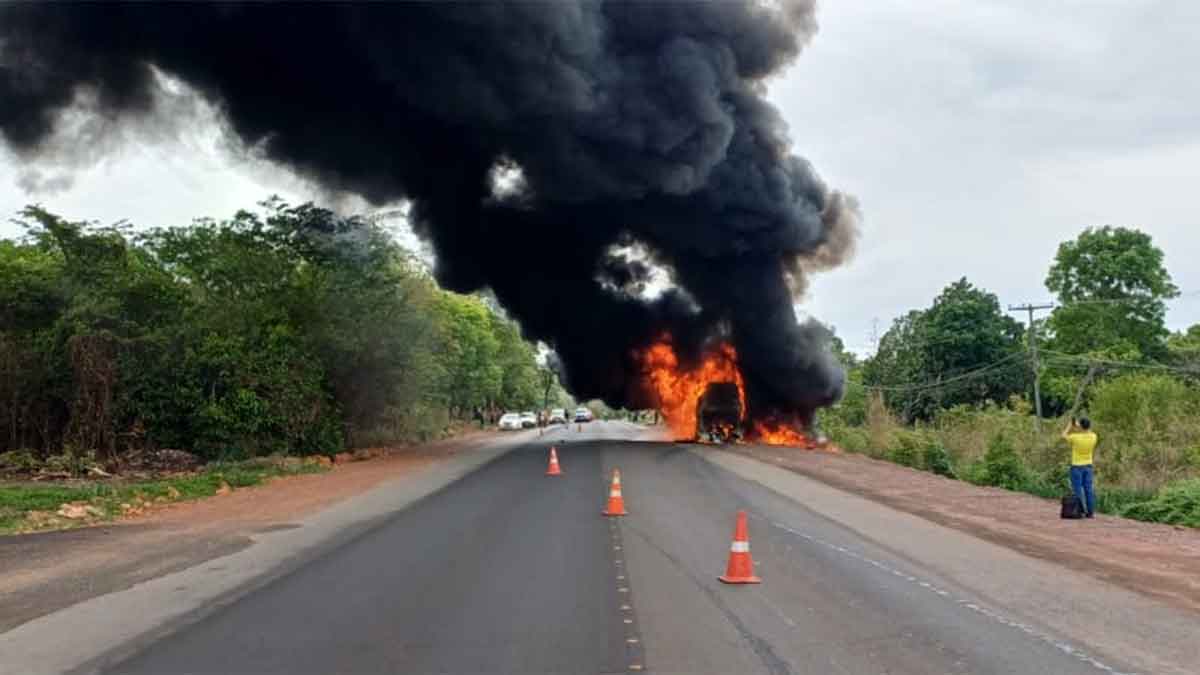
x=779, y=434
x=679, y=390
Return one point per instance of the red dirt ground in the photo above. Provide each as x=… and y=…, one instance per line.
x=50, y=570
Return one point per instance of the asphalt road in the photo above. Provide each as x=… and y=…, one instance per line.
x=508, y=571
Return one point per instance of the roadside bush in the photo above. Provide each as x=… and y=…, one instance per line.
x=967, y=431
x=1051, y=482
x=1116, y=500
x=881, y=427
x=18, y=462
x=1193, y=457
x=850, y=439
x=1144, y=405
x=851, y=411
x=1148, y=428
x=1000, y=467
x=71, y=461
x=1177, y=504
x=936, y=459
x=907, y=449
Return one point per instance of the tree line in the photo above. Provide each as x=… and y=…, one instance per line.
x=1111, y=288
x=287, y=329
x=950, y=386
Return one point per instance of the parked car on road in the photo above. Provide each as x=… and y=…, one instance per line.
x=528, y=420
x=510, y=422
x=583, y=415
x=558, y=416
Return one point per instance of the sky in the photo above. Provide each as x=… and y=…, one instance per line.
x=977, y=136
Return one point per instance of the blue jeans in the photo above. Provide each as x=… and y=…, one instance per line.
x=1081, y=484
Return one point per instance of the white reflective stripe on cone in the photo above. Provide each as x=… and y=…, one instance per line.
x=739, y=547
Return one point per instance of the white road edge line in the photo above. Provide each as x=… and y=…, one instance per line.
x=1057, y=644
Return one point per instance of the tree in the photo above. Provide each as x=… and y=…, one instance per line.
x=1184, y=350
x=847, y=358
x=1112, y=288
x=851, y=409
x=467, y=351
x=964, y=331
x=897, y=357
x=520, y=383
x=288, y=329
x=32, y=298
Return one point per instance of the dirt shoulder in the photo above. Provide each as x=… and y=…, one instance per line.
x=1161, y=561
x=47, y=571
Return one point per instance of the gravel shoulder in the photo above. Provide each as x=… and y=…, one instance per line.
x=44, y=572
x=1160, y=561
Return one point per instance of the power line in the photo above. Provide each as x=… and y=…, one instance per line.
x=1071, y=359
x=1080, y=358
x=905, y=345
x=877, y=339
x=953, y=372
x=1187, y=295
x=943, y=340
x=921, y=386
x=1120, y=301
x=1033, y=350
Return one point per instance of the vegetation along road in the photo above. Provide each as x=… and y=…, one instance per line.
x=507, y=570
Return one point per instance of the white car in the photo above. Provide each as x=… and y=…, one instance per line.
x=583, y=415
x=528, y=420
x=510, y=422
x=558, y=416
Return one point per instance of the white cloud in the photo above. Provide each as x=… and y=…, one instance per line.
x=150, y=185
x=978, y=135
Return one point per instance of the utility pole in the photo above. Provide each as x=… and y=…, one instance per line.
x=1033, y=354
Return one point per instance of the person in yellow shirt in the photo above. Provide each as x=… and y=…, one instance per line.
x=1083, y=441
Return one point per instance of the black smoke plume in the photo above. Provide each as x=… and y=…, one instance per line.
x=640, y=123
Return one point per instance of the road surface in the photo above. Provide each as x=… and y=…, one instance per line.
x=508, y=571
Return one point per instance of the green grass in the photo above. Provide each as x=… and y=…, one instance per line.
x=1004, y=466
x=1177, y=504
x=17, y=500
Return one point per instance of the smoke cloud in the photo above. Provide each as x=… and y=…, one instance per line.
x=609, y=124
x=35, y=182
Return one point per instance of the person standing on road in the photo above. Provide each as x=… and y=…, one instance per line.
x=1082, y=439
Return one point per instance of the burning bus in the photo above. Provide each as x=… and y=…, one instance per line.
x=719, y=413
x=706, y=400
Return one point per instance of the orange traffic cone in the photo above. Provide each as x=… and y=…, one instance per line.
x=740, y=569
x=616, y=503
x=553, y=469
